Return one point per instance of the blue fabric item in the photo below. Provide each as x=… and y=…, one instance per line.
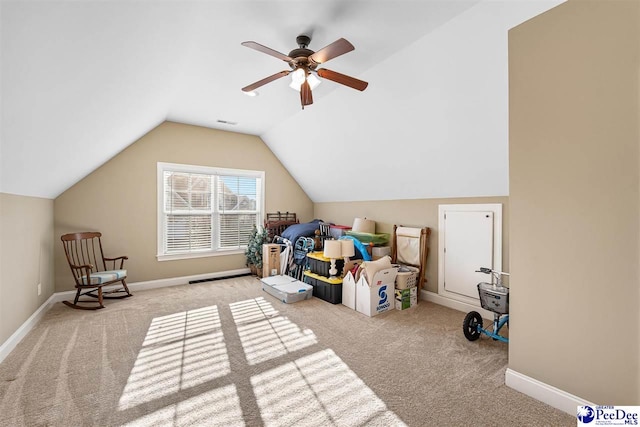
x=104, y=277
x=306, y=229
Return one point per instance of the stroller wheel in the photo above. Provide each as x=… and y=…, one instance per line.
x=470, y=325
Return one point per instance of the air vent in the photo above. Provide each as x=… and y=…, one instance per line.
x=226, y=122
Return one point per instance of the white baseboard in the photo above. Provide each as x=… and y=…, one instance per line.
x=11, y=343
x=546, y=393
x=24, y=329
x=454, y=304
x=160, y=283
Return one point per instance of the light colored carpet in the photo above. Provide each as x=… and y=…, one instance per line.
x=226, y=353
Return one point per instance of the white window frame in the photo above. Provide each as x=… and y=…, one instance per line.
x=176, y=167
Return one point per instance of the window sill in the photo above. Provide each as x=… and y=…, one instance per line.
x=173, y=257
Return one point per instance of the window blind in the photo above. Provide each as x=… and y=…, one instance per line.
x=203, y=212
x=188, y=210
x=237, y=202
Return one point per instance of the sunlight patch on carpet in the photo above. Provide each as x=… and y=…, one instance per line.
x=180, y=351
x=217, y=407
x=318, y=390
x=265, y=334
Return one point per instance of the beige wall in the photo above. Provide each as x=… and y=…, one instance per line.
x=412, y=213
x=574, y=199
x=119, y=198
x=26, y=245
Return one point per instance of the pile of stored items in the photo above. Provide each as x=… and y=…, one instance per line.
x=354, y=265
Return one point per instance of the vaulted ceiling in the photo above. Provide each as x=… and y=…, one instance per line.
x=80, y=81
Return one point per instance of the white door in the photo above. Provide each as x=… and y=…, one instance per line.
x=468, y=245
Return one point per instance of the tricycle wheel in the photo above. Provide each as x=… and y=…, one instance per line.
x=470, y=325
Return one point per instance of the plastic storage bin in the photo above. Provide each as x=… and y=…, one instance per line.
x=320, y=265
x=338, y=231
x=376, y=239
x=286, y=288
x=326, y=289
x=407, y=277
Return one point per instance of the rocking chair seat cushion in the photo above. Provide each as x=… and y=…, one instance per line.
x=104, y=277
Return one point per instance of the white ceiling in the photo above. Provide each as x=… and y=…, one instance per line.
x=80, y=81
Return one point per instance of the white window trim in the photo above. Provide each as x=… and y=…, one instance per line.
x=177, y=167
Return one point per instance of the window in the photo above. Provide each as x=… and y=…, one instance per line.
x=205, y=211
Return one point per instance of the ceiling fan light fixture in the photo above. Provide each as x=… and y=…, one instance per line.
x=251, y=93
x=313, y=81
x=297, y=78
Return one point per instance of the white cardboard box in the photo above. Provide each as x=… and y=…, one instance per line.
x=349, y=291
x=406, y=298
x=377, y=297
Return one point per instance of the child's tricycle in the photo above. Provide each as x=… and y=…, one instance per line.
x=495, y=298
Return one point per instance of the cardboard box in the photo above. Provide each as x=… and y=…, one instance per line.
x=376, y=297
x=349, y=291
x=270, y=260
x=406, y=298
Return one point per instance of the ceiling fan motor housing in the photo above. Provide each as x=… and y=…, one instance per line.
x=300, y=56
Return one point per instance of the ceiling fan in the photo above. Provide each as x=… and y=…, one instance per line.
x=304, y=63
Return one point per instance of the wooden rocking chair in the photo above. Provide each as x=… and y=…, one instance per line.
x=89, y=268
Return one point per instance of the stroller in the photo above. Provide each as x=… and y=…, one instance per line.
x=293, y=258
x=495, y=298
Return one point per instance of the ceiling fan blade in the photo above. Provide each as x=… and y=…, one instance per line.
x=343, y=79
x=337, y=48
x=267, y=50
x=264, y=81
x=306, y=98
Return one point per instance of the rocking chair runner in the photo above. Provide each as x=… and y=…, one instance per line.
x=89, y=268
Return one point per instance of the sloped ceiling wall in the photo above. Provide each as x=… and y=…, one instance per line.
x=80, y=81
x=433, y=122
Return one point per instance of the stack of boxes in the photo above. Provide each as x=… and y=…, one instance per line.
x=406, y=292
x=324, y=287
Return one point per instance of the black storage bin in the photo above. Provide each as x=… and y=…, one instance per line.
x=326, y=289
x=320, y=265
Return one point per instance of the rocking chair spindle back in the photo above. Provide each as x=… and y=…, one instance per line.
x=92, y=270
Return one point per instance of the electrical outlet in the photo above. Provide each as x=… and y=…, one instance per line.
x=39, y=289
